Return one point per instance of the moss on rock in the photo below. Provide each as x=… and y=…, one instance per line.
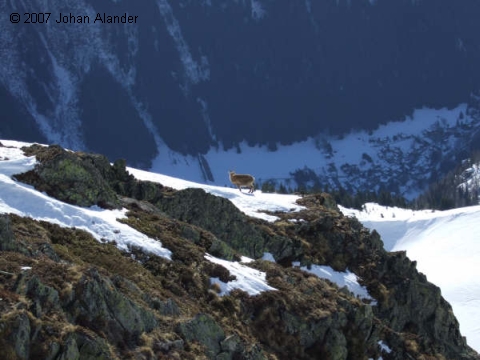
x=205, y=330
x=71, y=178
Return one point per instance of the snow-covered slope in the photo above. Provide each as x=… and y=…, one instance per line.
x=446, y=246
x=23, y=200
x=250, y=204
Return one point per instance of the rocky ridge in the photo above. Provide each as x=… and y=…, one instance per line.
x=80, y=298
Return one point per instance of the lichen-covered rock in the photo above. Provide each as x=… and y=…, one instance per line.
x=125, y=184
x=217, y=215
x=7, y=240
x=230, y=343
x=91, y=348
x=97, y=302
x=78, y=346
x=70, y=349
x=19, y=336
x=220, y=217
x=206, y=331
x=45, y=298
x=69, y=177
x=85, y=179
x=166, y=308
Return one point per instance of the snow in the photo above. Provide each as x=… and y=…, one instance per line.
x=250, y=204
x=471, y=177
x=248, y=279
x=445, y=245
x=342, y=279
x=23, y=200
x=390, y=147
x=194, y=72
x=384, y=348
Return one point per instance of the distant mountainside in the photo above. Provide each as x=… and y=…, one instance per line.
x=195, y=74
x=400, y=158
x=142, y=282
x=460, y=187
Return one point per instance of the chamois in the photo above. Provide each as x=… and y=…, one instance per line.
x=244, y=180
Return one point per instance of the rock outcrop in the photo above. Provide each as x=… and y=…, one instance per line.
x=65, y=295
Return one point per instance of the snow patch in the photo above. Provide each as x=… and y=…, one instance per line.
x=342, y=279
x=194, y=72
x=247, y=279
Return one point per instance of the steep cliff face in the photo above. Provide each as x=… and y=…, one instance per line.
x=65, y=295
x=188, y=72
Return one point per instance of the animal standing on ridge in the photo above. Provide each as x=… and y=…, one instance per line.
x=242, y=180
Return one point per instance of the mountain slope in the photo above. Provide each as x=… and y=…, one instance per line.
x=445, y=246
x=160, y=79
x=179, y=290
x=458, y=188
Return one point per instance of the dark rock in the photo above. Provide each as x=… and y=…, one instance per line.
x=15, y=337
x=92, y=348
x=53, y=351
x=78, y=346
x=220, y=217
x=47, y=250
x=125, y=184
x=21, y=329
x=205, y=330
x=70, y=349
x=230, y=343
x=166, y=308
x=319, y=199
x=167, y=346
x=45, y=298
x=98, y=304
x=7, y=239
x=217, y=215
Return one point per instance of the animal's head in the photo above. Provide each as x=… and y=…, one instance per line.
x=231, y=172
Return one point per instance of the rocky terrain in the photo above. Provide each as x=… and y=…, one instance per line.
x=65, y=295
